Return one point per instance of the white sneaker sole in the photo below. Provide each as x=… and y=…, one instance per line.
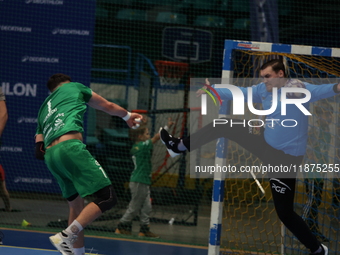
x=325, y=248
x=56, y=241
x=173, y=154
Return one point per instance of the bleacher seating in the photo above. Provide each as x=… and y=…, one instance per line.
x=209, y=21
x=172, y=17
x=131, y=14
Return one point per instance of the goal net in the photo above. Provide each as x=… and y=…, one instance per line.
x=250, y=224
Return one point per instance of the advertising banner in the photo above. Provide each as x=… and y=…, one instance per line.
x=38, y=38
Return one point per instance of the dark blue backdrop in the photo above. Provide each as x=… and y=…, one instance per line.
x=37, y=39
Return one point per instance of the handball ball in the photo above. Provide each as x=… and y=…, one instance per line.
x=137, y=125
x=295, y=83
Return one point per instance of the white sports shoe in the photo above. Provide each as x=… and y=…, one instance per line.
x=325, y=248
x=170, y=142
x=64, y=244
x=323, y=252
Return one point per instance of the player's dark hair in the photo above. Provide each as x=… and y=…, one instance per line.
x=276, y=64
x=135, y=133
x=56, y=79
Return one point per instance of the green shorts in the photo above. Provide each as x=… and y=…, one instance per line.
x=75, y=169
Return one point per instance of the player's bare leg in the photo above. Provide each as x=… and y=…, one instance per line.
x=5, y=196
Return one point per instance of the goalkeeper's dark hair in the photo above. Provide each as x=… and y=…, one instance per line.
x=56, y=79
x=135, y=133
x=277, y=65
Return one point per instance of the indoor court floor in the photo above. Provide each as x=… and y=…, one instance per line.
x=29, y=242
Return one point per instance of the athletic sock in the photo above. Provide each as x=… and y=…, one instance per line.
x=181, y=146
x=74, y=228
x=79, y=251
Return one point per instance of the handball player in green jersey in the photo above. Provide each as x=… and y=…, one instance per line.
x=59, y=141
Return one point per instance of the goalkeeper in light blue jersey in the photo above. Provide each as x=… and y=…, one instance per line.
x=275, y=145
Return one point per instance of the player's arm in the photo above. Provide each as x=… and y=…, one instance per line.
x=39, y=138
x=155, y=138
x=322, y=91
x=100, y=103
x=39, y=147
x=3, y=116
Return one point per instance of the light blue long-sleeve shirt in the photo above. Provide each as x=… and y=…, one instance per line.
x=291, y=140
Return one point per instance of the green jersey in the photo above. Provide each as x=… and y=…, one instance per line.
x=63, y=111
x=141, y=156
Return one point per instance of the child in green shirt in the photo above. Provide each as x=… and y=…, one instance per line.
x=140, y=182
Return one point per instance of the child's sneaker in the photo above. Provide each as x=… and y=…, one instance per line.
x=123, y=229
x=63, y=242
x=145, y=232
x=170, y=142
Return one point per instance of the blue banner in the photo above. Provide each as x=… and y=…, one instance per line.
x=264, y=18
x=38, y=38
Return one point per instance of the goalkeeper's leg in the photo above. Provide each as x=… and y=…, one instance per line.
x=283, y=191
x=249, y=138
